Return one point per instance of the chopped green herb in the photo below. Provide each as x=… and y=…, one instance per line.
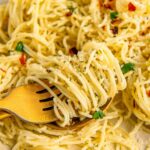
x=19, y=46
x=127, y=67
x=71, y=8
x=98, y=114
x=113, y=15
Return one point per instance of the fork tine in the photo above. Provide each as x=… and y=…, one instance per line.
x=47, y=96
x=48, y=108
x=46, y=99
x=42, y=91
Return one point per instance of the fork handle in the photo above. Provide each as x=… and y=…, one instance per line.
x=6, y=104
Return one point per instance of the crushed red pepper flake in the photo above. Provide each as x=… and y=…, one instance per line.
x=148, y=93
x=73, y=51
x=131, y=7
x=68, y=14
x=23, y=59
x=115, y=30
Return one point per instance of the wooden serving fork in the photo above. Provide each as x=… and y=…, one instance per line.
x=31, y=103
x=34, y=104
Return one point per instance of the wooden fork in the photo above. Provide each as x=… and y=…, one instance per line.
x=31, y=103
x=34, y=104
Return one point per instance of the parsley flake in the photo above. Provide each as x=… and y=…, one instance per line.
x=98, y=115
x=19, y=46
x=113, y=15
x=127, y=67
